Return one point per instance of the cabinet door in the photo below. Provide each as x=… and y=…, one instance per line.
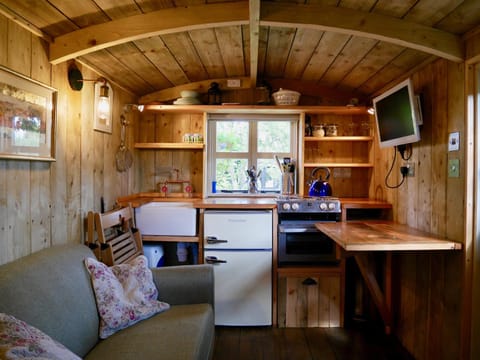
x=309, y=301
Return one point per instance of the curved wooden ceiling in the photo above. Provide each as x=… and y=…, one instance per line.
x=157, y=48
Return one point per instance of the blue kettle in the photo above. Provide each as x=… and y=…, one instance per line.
x=319, y=187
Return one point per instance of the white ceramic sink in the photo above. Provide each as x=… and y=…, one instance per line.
x=167, y=218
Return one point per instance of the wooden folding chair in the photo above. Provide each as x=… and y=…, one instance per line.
x=117, y=236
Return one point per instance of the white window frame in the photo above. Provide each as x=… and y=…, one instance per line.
x=252, y=155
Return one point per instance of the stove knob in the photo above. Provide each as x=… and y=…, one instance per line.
x=295, y=206
x=286, y=206
x=323, y=206
x=331, y=206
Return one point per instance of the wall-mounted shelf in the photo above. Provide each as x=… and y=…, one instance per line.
x=339, y=138
x=338, y=165
x=170, y=146
x=332, y=110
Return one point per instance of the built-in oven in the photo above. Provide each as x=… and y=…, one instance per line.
x=299, y=241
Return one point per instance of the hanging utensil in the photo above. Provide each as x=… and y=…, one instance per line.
x=123, y=158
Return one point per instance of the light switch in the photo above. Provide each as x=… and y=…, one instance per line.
x=453, y=168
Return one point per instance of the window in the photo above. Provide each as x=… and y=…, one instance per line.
x=238, y=142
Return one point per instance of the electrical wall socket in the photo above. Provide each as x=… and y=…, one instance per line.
x=411, y=169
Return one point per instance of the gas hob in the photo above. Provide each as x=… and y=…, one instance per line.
x=321, y=204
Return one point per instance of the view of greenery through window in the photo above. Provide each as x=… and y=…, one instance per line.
x=241, y=144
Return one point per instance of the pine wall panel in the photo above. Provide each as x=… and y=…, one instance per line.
x=45, y=203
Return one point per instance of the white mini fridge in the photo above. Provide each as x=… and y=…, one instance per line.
x=239, y=245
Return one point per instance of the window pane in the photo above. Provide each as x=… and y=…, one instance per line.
x=231, y=174
x=232, y=136
x=274, y=136
x=270, y=178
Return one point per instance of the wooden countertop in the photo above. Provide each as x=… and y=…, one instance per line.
x=383, y=236
x=139, y=199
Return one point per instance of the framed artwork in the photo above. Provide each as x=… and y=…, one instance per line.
x=27, y=118
x=102, y=108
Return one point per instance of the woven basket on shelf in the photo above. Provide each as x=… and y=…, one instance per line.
x=286, y=97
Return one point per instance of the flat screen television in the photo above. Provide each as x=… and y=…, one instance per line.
x=398, y=115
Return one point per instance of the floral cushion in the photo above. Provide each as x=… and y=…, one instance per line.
x=125, y=294
x=18, y=340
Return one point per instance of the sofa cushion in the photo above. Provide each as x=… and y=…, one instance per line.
x=183, y=332
x=18, y=340
x=51, y=290
x=125, y=294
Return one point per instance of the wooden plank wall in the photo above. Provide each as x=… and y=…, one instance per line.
x=429, y=297
x=43, y=203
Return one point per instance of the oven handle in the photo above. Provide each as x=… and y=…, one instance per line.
x=290, y=230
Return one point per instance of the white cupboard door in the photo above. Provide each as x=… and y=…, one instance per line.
x=243, y=287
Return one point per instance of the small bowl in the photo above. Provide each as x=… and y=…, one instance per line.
x=188, y=94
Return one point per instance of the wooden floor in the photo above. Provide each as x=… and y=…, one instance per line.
x=266, y=343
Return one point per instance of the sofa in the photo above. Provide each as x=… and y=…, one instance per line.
x=51, y=290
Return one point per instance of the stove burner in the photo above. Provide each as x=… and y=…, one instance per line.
x=321, y=204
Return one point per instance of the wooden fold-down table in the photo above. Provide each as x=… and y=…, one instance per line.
x=361, y=238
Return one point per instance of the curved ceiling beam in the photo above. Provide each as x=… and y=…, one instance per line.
x=370, y=25
x=101, y=36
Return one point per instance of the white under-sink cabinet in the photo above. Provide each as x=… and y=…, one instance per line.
x=239, y=245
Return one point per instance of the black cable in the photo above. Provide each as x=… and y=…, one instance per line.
x=391, y=168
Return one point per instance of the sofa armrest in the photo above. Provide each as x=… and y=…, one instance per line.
x=185, y=284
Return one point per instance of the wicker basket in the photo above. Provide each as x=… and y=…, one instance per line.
x=286, y=97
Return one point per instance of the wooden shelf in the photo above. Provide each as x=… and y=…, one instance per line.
x=339, y=138
x=170, y=146
x=334, y=110
x=339, y=165
x=170, y=238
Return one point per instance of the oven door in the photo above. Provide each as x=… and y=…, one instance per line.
x=303, y=244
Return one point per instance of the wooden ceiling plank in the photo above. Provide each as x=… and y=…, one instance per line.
x=353, y=52
x=247, y=53
x=155, y=51
x=39, y=17
x=207, y=47
x=199, y=86
x=231, y=49
x=136, y=27
x=370, y=25
x=262, y=52
x=462, y=19
x=254, y=21
x=117, y=9
x=133, y=59
x=81, y=13
x=396, y=8
x=304, y=45
x=184, y=52
x=279, y=45
x=108, y=66
x=430, y=12
x=399, y=68
x=382, y=54
x=24, y=23
x=324, y=55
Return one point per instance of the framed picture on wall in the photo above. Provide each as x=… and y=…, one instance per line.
x=27, y=118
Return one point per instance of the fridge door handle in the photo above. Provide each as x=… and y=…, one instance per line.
x=214, y=260
x=214, y=240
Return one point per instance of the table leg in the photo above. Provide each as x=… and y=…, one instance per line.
x=382, y=300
